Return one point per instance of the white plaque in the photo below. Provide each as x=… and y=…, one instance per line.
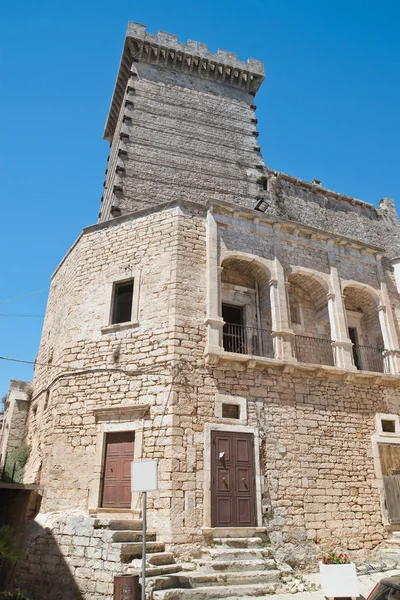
x=144, y=476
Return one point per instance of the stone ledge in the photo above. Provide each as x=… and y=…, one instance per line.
x=118, y=326
x=213, y=358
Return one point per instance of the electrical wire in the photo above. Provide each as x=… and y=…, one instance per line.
x=24, y=296
x=80, y=369
x=36, y=316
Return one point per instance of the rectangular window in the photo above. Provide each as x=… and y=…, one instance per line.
x=388, y=426
x=122, y=302
x=231, y=411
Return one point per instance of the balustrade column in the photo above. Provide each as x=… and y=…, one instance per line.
x=213, y=321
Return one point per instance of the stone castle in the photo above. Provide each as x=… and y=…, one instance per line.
x=236, y=323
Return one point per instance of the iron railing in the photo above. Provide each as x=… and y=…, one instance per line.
x=8, y=471
x=313, y=350
x=248, y=340
x=368, y=358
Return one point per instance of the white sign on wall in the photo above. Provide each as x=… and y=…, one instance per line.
x=144, y=475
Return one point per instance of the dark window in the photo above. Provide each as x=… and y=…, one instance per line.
x=388, y=426
x=354, y=338
x=295, y=311
x=230, y=411
x=122, y=304
x=232, y=314
x=234, y=339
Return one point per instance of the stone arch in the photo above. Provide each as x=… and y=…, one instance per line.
x=257, y=261
x=245, y=305
x=309, y=316
x=361, y=303
x=309, y=292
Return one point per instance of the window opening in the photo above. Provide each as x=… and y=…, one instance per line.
x=122, y=305
x=234, y=339
x=354, y=338
x=388, y=426
x=231, y=411
x=295, y=311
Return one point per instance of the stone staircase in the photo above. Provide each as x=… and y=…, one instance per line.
x=126, y=539
x=230, y=567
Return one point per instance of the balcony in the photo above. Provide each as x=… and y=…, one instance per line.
x=313, y=350
x=368, y=358
x=248, y=340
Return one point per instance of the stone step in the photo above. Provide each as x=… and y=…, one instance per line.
x=120, y=524
x=234, y=542
x=133, y=536
x=133, y=525
x=156, y=571
x=229, y=578
x=235, y=565
x=131, y=551
x=244, y=532
x=230, y=554
x=160, y=558
x=211, y=593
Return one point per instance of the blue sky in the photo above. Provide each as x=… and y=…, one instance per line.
x=329, y=109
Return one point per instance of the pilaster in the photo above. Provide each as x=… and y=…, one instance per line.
x=281, y=331
x=213, y=321
x=342, y=345
x=391, y=353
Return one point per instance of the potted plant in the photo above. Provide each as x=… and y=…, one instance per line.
x=338, y=576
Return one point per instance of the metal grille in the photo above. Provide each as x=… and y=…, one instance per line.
x=8, y=470
x=230, y=411
x=367, y=358
x=248, y=340
x=313, y=350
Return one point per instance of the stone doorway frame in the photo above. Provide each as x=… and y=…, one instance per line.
x=110, y=420
x=381, y=437
x=208, y=428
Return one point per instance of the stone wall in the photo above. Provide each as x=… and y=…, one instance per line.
x=16, y=408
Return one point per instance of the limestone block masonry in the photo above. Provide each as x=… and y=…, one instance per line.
x=307, y=359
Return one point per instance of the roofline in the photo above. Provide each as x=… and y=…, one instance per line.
x=166, y=51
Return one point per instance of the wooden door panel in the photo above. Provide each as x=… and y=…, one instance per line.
x=244, y=511
x=243, y=483
x=233, y=498
x=243, y=451
x=224, y=480
x=224, y=511
x=224, y=446
x=117, y=470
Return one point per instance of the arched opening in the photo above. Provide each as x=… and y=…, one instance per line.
x=364, y=328
x=246, y=308
x=310, y=319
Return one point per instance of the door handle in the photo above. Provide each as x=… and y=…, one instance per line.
x=245, y=484
x=221, y=456
x=224, y=480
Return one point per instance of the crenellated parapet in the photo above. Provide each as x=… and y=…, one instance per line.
x=164, y=50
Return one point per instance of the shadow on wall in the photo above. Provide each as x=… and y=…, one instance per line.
x=45, y=575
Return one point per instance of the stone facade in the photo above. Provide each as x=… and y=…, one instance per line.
x=311, y=268
x=16, y=407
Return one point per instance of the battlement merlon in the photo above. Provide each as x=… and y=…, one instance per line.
x=165, y=50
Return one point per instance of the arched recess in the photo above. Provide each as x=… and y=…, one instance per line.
x=361, y=303
x=309, y=317
x=246, y=306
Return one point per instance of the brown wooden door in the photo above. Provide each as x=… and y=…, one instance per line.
x=117, y=470
x=233, y=494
